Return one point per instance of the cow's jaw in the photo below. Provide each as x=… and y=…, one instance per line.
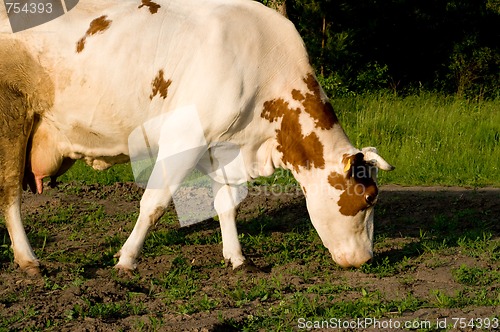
x=340, y=201
x=356, y=248
x=349, y=239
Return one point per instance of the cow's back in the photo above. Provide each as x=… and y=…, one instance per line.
x=117, y=64
x=218, y=54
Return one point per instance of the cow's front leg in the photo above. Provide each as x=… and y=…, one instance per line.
x=168, y=174
x=23, y=254
x=225, y=203
x=153, y=204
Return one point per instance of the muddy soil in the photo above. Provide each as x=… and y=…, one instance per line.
x=54, y=299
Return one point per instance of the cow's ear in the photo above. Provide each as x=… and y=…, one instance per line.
x=347, y=162
x=372, y=157
x=350, y=162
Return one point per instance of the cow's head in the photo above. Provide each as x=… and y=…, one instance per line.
x=338, y=180
x=340, y=200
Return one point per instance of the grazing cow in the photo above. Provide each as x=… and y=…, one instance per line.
x=206, y=72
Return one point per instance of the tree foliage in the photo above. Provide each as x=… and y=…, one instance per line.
x=451, y=46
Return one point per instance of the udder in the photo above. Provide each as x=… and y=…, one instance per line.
x=44, y=157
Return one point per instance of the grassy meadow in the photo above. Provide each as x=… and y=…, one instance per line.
x=430, y=138
x=436, y=267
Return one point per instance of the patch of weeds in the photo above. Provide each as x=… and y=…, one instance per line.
x=169, y=218
x=156, y=322
x=278, y=288
x=9, y=298
x=50, y=284
x=80, y=172
x=39, y=239
x=328, y=289
x=111, y=310
x=203, y=238
x=291, y=246
x=257, y=290
x=313, y=307
x=444, y=225
x=433, y=245
x=409, y=304
x=476, y=276
x=203, y=303
x=180, y=282
x=384, y=267
x=481, y=246
x=152, y=323
x=466, y=297
x=6, y=252
x=78, y=281
x=62, y=215
x=436, y=261
x=239, y=295
x=162, y=242
x=207, y=303
x=89, y=258
x=94, y=215
x=407, y=280
x=10, y=323
x=249, y=323
x=114, y=242
x=448, y=232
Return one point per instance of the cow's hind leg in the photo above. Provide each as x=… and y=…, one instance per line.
x=225, y=204
x=25, y=89
x=16, y=121
x=23, y=254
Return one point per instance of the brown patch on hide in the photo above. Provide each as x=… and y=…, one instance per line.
x=320, y=111
x=160, y=86
x=297, y=150
x=359, y=189
x=153, y=6
x=98, y=25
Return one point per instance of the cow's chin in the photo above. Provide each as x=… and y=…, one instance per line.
x=347, y=250
x=348, y=239
x=352, y=259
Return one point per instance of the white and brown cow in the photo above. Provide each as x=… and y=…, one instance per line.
x=78, y=86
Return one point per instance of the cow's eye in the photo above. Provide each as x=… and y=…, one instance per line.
x=370, y=199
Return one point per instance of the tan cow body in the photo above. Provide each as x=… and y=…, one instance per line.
x=107, y=69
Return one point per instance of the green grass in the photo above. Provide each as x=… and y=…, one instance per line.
x=431, y=139
x=304, y=282
x=84, y=174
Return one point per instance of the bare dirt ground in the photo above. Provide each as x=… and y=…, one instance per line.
x=53, y=299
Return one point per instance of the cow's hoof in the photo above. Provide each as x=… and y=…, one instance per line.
x=32, y=269
x=125, y=263
x=125, y=270
x=248, y=266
